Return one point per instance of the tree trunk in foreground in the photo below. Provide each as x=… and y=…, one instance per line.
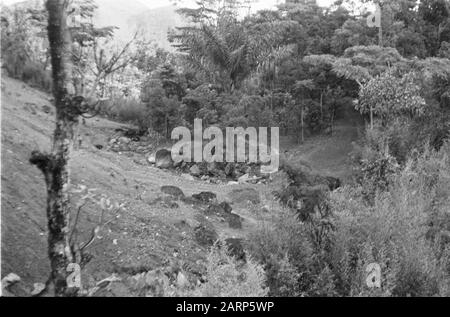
x=55, y=165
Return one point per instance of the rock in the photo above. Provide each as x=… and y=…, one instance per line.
x=38, y=288
x=333, y=182
x=234, y=221
x=205, y=236
x=195, y=170
x=182, y=281
x=172, y=191
x=231, y=183
x=188, y=177
x=10, y=279
x=221, y=209
x=156, y=283
x=244, y=179
x=244, y=195
x=163, y=159
x=151, y=159
x=124, y=140
x=205, y=197
x=235, y=248
x=46, y=109
x=229, y=169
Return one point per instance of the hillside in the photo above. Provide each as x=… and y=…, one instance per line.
x=131, y=16
x=147, y=235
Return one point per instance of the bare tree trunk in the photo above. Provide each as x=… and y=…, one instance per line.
x=321, y=107
x=55, y=165
x=371, y=118
x=380, y=29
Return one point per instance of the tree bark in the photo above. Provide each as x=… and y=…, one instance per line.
x=55, y=165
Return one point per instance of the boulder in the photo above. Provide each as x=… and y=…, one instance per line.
x=205, y=235
x=124, y=140
x=195, y=170
x=244, y=195
x=244, y=179
x=234, y=221
x=229, y=170
x=333, y=182
x=205, y=197
x=221, y=209
x=182, y=281
x=188, y=177
x=163, y=159
x=152, y=159
x=172, y=191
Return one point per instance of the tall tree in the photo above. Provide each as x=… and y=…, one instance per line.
x=55, y=165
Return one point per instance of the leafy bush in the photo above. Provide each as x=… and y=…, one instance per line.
x=36, y=76
x=29, y=72
x=127, y=110
x=405, y=231
x=226, y=277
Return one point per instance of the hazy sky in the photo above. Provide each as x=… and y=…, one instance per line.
x=260, y=4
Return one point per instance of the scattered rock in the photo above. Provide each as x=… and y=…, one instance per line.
x=333, y=182
x=10, y=279
x=172, y=191
x=124, y=140
x=244, y=195
x=205, y=197
x=188, y=177
x=38, y=288
x=46, y=109
x=243, y=179
x=234, y=221
x=182, y=281
x=205, y=235
x=221, y=209
x=195, y=170
x=152, y=159
x=9, y=282
x=163, y=159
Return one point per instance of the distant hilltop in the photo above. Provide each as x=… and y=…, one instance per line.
x=130, y=16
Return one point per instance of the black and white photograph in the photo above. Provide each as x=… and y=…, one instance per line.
x=245, y=150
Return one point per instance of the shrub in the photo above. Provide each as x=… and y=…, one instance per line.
x=127, y=110
x=227, y=277
x=395, y=232
x=36, y=76
x=286, y=252
x=405, y=229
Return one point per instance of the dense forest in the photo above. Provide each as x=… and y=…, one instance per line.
x=300, y=67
